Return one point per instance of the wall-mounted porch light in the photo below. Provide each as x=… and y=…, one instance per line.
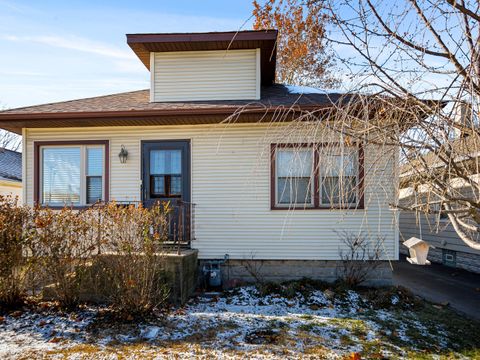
x=123, y=154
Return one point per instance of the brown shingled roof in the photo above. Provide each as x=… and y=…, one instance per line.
x=135, y=108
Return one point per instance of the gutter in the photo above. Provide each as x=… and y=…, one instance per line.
x=162, y=112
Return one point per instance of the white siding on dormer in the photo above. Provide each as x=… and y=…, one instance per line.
x=205, y=75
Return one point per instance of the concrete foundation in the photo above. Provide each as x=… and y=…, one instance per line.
x=235, y=272
x=180, y=269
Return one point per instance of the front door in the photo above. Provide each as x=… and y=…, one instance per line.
x=166, y=177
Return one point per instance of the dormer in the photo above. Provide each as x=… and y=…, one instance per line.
x=207, y=66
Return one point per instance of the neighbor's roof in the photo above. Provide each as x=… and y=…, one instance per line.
x=265, y=40
x=135, y=108
x=10, y=165
x=462, y=149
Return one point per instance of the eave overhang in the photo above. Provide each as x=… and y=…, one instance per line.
x=265, y=40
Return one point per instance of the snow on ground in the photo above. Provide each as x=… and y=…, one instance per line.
x=240, y=323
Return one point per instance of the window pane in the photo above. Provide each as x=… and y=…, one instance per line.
x=339, y=170
x=331, y=190
x=95, y=161
x=176, y=185
x=294, y=191
x=157, y=185
x=165, y=162
x=294, y=162
x=94, y=189
x=350, y=165
x=294, y=174
x=61, y=175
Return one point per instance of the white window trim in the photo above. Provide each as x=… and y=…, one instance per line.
x=83, y=173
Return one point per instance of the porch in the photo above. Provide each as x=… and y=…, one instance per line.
x=180, y=223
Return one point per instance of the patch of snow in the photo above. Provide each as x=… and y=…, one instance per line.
x=223, y=322
x=150, y=332
x=296, y=89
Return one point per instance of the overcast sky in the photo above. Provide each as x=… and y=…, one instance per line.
x=59, y=50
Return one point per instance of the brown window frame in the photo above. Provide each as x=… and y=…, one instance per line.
x=316, y=178
x=36, y=168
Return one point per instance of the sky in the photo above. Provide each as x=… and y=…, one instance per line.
x=61, y=50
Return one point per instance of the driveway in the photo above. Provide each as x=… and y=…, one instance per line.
x=440, y=284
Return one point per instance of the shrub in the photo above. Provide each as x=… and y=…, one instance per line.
x=13, y=238
x=132, y=260
x=359, y=258
x=108, y=252
x=62, y=245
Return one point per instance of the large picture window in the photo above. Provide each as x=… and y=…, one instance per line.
x=316, y=176
x=71, y=174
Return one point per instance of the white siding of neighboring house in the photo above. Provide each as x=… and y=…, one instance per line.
x=205, y=75
x=231, y=190
x=438, y=232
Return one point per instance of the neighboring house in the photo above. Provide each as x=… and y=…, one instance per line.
x=436, y=228
x=10, y=173
x=212, y=136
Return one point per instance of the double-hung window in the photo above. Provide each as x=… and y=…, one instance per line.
x=316, y=176
x=71, y=174
x=338, y=177
x=294, y=176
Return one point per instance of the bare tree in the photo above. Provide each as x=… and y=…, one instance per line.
x=406, y=52
x=8, y=140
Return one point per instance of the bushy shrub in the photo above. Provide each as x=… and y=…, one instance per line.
x=132, y=261
x=13, y=238
x=110, y=251
x=62, y=245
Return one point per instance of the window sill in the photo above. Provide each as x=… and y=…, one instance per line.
x=297, y=207
x=72, y=207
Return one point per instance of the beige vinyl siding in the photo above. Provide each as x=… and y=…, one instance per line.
x=205, y=75
x=231, y=190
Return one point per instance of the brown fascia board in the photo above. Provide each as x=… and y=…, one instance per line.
x=15, y=122
x=253, y=35
x=133, y=113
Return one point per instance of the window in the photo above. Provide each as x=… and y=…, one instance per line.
x=294, y=176
x=165, y=173
x=70, y=174
x=316, y=176
x=338, y=177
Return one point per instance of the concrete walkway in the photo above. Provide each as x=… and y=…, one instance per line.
x=441, y=284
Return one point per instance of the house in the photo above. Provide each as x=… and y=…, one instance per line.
x=10, y=173
x=214, y=136
x=435, y=228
